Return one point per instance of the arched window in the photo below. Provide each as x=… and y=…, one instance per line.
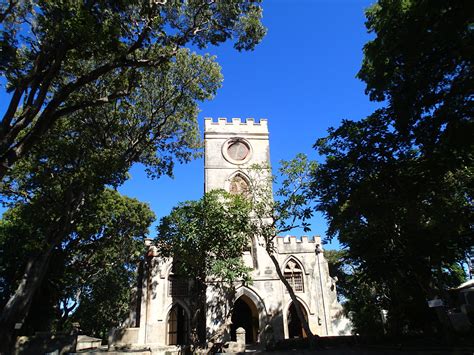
x=294, y=275
x=177, y=286
x=177, y=326
x=239, y=185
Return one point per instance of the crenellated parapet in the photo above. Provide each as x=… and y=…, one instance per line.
x=292, y=244
x=235, y=125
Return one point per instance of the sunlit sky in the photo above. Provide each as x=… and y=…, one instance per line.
x=301, y=78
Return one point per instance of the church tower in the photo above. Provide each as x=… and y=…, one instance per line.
x=231, y=148
x=162, y=315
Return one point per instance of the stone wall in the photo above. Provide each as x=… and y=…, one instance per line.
x=266, y=292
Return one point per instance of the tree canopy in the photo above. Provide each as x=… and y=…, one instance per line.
x=206, y=239
x=62, y=57
x=396, y=187
x=96, y=87
x=288, y=209
x=99, y=255
x=420, y=63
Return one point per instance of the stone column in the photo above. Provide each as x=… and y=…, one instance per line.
x=240, y=337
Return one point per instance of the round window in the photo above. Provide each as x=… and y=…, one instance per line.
x=237, y=150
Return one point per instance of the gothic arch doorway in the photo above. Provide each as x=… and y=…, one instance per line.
x=245, y=315
x=177, y=329
x=295, y=328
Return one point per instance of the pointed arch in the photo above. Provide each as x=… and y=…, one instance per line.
x=245, y=314
x=174, y=303
x=293, y=323
x=254, y=297
x=238, y=183
x=296, y=260
x=177, y=286
x=302, y=302
x=294, y=274
x=290, y=318
x=249, y=295
x=177, y=324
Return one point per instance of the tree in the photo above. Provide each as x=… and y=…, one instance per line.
x=363, y=300
x=94, y=148
x=403, y=226
x=99, y=256
x=288, y=209
x=107, y=302
x=420, y=63
x=61, y=58
x=396, y=187
x=75, y=67
x=206, y=239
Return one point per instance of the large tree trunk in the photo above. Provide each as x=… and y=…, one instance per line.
x=198, y=314
x=17, y=307
x=227, y=317
x=312, y=338
x=431, y=292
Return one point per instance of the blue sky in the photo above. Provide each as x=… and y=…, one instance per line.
x=301, y=78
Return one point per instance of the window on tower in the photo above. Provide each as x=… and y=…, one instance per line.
x=238, y=150
x=239, y=185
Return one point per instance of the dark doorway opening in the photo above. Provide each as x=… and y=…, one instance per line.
x=295, y=328
x=177, y=326
x=245, y=315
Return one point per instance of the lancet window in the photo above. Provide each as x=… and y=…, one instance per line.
x=239, y=185
x=177, y=286
x=294, y=275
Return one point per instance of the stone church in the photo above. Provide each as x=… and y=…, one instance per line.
x=264, y=309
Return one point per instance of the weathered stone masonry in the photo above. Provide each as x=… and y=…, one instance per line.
x=264, y=308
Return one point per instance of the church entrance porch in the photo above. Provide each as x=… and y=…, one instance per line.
x=245, y=315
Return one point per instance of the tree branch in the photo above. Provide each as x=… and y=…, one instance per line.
x=8, y=10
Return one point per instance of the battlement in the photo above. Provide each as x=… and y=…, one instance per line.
x=222, y=121
x=304, y=244
x=236, y=125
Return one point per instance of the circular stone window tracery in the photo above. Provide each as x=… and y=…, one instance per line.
x=237, y=150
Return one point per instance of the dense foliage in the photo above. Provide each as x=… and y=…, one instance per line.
x=68, y=169
x=91, y=272
x=206, y=239
x=57, y=56
x=397, y=187
x=96, y=87
x=363, y=300
x=288, y=209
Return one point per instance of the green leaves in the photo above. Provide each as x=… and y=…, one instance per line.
x=105, y=243
x=396, y=187
x=56, y=54
x=290, y=207
x=206, y=238
x=96, y=87
x=420, y=62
